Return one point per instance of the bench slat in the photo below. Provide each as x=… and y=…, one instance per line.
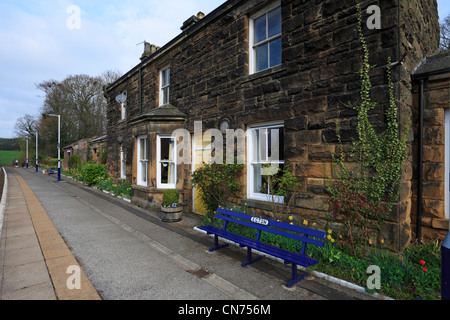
x=274, y=251
x=270, y=230
x=311, y=232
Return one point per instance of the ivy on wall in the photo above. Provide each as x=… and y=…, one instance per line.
x=377, y=158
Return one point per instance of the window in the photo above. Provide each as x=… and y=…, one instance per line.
x=265, y=39
x=123, y=164
x=164, y=85
x=142, y=149
x=265, y=158
x=166, y=165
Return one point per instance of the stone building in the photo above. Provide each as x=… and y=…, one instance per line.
x=431, y=105
x=281, y=71
x=87, y=149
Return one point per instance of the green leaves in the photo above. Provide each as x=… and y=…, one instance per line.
x=378, y=158
x=217, y=182
x=91, y=172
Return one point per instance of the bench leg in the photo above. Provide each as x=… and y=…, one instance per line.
x=249, y=258
x=295, y=277
x=216, y=244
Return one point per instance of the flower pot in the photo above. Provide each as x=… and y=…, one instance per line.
x=171, y=214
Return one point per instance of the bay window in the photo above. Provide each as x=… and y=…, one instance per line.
x=166, y=164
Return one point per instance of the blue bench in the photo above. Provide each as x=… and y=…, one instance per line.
x=309, y=236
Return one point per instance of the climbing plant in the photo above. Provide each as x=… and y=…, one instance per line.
x=378, y=157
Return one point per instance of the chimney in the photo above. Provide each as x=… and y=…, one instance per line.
x=192, y=20
x=149, y=49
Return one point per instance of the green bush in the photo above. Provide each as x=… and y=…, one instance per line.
x=216, y=183
x=92, y=172
x=170, y=197
x=74, y=161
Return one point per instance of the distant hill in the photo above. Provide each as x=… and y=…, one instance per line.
x=9, y=144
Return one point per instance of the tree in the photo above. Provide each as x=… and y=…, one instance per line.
x=445, y=34
x=80, y=101
x=25, y=127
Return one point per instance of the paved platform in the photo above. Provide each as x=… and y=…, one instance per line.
x=125, y=252
x=33, y=256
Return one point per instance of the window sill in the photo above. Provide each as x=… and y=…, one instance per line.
x=264, y=73
x=264, y=205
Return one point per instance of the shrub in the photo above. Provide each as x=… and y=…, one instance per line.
x=74, y=162
x=216, y=183
x=91, y=172
x=170, y=197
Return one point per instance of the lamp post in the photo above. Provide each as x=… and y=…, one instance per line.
x=37, y=161
x=59, y=144
x=27, y=152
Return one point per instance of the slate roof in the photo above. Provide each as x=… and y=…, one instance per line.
x=435, y=64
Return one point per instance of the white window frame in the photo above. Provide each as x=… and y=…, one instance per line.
x=159, y=184
x=142, y=162
x=164, y=86
x=253, y=46
x=123, y=164
x=251, y=194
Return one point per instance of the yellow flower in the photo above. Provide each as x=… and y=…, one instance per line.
x=370, y=241
x=329, y=237
x=291, y=223
x=305, y=222
x=314, y=224
x=332, y=240
x=290, y=218
x=340, y=236
x=382, y=240
x=329, y=231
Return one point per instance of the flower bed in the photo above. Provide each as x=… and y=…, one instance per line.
x=119, y=188
x=416, y=274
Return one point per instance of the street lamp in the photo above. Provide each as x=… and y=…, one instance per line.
x=59, y=143
x=27, y=152
x=37, y=164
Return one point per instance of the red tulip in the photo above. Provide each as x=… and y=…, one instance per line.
x=422, y=262
x=424, y=269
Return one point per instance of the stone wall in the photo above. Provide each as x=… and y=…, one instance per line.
x=321, y=55
x=435, y=224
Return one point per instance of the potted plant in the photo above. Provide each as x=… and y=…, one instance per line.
x=171, y=208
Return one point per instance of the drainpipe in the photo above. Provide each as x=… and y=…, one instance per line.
x=140, y=90
x=420, y=165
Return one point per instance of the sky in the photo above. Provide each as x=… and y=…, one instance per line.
x=43, y=40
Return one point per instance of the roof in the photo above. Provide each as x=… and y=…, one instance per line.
x=435, y=64
x=191, y=28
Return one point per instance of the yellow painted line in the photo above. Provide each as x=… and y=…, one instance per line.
x=58, y=257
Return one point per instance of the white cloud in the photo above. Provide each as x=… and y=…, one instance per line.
x=36, y=44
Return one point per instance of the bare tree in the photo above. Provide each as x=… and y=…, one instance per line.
x=445, y=34
x=25, y=127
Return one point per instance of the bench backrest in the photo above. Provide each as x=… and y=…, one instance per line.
x=278, y=227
